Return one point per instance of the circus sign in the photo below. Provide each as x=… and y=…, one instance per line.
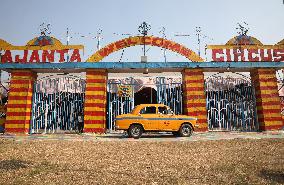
x=246, y=49
x=43, y=49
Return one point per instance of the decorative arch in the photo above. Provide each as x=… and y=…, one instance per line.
x=148, y=40
x=280, y=42
x=244, y=40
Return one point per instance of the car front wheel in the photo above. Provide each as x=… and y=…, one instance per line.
x=135, y=131
x=185, y=130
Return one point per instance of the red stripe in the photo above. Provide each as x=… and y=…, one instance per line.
x=267, y=111
x=95, y=88
x=272, y=95
x=202, y=121
x=201, y=129
x=102, y=97
x=94, y=113
x=20, y=89
x=96, y=73
x=193, y=73
x=195, y=89
x=22, y=73
x=196, y=104
x=16, y=130
x=272, y=127
x=195, y=81
x=19, y=105
x=98, y=105
x=94, y=130
x=95, y=81
x=20, y=122
x=94, y=122
x=270, y=119
x=266, y=72
x=267, y=80
x=18, y=113
x=27, y=81
x=19, y=97
x=268, y=87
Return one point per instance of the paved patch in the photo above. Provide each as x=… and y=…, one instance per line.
x=207, y=136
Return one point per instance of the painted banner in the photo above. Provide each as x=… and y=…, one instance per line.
x=124, y=91
x=43, y=49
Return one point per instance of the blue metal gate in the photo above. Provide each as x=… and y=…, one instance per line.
x=121, y=95
x=57, y=102
x=230, y=103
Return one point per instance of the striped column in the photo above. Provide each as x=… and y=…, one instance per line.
x=267, y=99
x=194, y=99
x=95, y=101
x=19, y=106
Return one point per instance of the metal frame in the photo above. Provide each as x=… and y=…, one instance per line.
x=231, y=103
x=57, y=103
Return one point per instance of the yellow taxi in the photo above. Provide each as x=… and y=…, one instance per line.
x=155, y=117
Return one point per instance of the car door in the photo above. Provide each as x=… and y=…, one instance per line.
x=149, y=118
x=166, y=119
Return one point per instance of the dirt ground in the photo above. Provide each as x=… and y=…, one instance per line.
x=237, y=161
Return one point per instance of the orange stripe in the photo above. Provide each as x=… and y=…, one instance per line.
x=95, y=97
x=270, y=119
x=195, y=97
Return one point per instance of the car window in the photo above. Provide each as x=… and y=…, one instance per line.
x=148, y=110
x=163, y=110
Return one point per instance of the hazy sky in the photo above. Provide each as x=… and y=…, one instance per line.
x=20, y=20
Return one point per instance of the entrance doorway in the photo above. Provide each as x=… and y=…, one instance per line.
x=58, y=102
x=146, y=95
x=230, y=102
x=125, y=93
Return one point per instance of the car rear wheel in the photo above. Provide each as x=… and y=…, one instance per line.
x=185, y=130
x=135, y=131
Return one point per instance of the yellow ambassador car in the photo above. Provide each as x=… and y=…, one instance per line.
x=155, y=117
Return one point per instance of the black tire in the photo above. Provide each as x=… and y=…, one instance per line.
x=135, y=131
x=185, y=130
x=176, y=134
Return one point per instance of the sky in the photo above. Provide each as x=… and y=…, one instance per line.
x=218, y=20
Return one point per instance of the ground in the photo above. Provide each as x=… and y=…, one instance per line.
x=149, y=160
